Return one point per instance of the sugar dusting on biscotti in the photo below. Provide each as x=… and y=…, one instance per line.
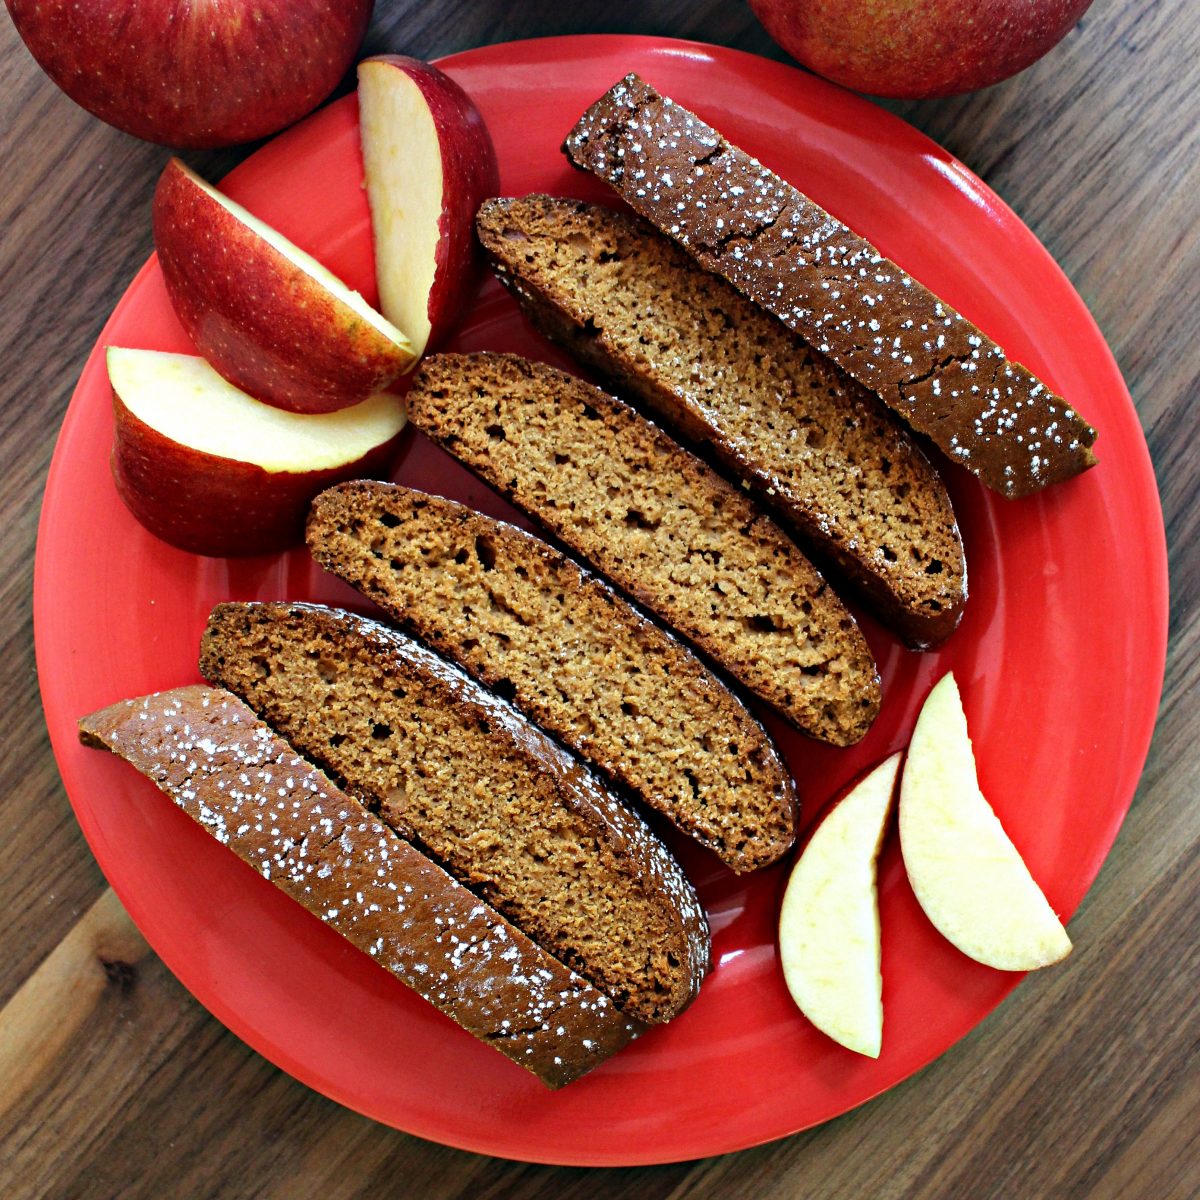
x=255, y=795
x=458, y=770
x=928, y=362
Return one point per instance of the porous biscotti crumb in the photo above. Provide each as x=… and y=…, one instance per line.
x=662, y=525
x=944, y=376
x=818, y=449
x=489, y=797
x=250, y=790
x=541, y=631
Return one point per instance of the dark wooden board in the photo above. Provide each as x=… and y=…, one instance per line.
x=114, y=1081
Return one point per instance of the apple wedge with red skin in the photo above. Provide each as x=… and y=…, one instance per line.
x=213, y=471
x=429, y=163
x=829, y=931
x=269, y=317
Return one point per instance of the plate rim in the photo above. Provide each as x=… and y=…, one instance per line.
x=647, y=44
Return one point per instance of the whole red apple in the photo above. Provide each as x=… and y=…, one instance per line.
x=918, y=48
x=194, y=74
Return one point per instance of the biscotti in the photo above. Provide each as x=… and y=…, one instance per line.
x=458, y=772
x=571, y=654
x=816, y=447
x=227, y=770
x=943, y=376
x=662, y=525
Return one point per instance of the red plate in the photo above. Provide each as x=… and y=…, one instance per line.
x=1060, y=656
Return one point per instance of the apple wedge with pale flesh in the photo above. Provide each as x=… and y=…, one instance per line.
x=269, y=317
x=829, y=937
x=964, y=870
x=211, y=470
x=429, y=163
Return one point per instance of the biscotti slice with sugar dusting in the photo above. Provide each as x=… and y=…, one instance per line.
x=538, y=629
x=816, y=447
x=487, y=795
x=662, y=525
x=249, y=789
x=944, y=376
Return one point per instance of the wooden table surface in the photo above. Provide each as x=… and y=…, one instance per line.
x=115, y=1082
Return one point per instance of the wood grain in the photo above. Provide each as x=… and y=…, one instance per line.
x=103, y=949
x=115, y=1082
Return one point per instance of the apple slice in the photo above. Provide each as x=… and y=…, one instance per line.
x=214, y=471
x=964, y=870
x=829, y=923
x=429, y=163
x=267, y=315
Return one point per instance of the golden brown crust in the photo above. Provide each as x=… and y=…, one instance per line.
x=207, y=751
x=571, y=654
x=662, y=525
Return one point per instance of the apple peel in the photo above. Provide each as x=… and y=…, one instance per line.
x=268, y=316
x=967, y=875
x=213, y=471
x=428, y=163
x=196, y=75
x=829, y=930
